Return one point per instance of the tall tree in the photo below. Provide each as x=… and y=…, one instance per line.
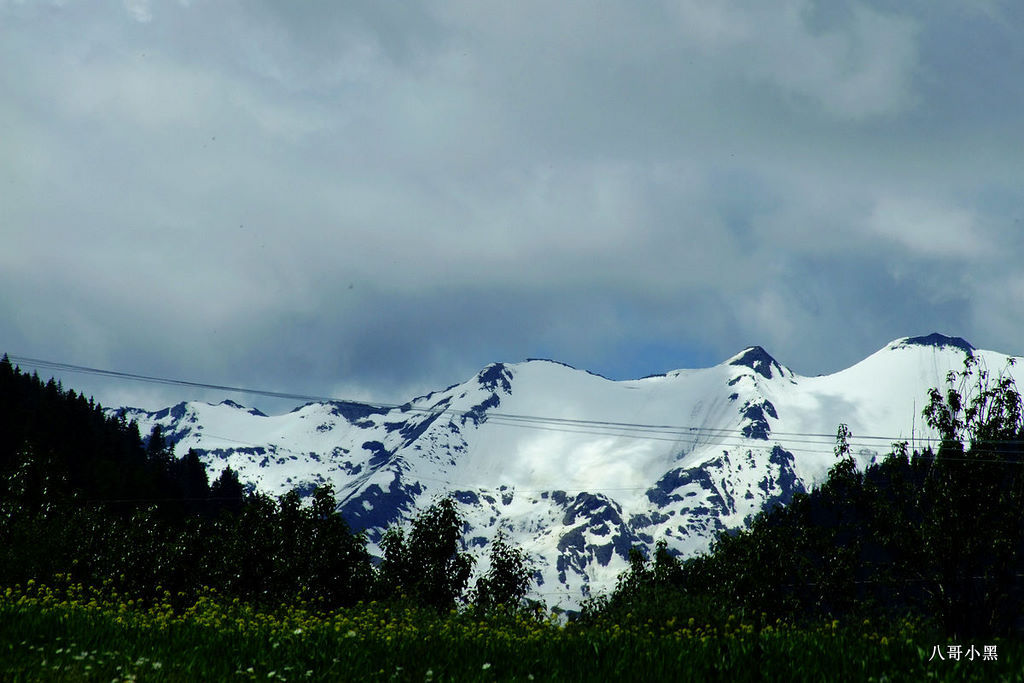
x=427, y=565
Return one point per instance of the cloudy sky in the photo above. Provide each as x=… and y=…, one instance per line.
x=373, y=199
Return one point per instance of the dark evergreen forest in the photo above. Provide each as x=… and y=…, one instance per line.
x=84, y=498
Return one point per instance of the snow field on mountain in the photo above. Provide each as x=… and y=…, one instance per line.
x=576, y=468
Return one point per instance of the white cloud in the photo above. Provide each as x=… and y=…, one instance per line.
x=929, y=229
x=859, y=69
x=140, y=10
x=490, y=179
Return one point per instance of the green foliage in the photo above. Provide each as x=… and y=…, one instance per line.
x=227, y=492
x=939, y=535
x=975, y=493
x=428, y=565
x=82, y=495
x=83, y=499
x=845, y=469
x=91, y=635
x=506, y=582
x=976, y=408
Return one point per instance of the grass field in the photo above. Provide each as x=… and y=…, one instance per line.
x=76, y=633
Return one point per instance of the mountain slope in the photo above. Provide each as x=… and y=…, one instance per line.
x=574, y=467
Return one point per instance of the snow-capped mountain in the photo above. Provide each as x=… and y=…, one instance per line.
x=577, y=468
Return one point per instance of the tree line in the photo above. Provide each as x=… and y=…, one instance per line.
x=84, y=497
x=934, y=535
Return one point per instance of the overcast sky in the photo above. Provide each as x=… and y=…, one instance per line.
x=375, y=199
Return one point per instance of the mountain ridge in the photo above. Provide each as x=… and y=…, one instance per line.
x=574, y=467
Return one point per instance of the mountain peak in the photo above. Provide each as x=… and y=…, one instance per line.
x=238, y=406
x=549, y=360
x=567, y=467
x=935, y=340
x=494, y=376
x=757, y=359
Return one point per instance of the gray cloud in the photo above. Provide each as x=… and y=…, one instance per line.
x=326, y=198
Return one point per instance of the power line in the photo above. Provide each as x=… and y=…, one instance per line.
x=623, y=429
x=809, y=442
x=732, y=438
x=117, y=374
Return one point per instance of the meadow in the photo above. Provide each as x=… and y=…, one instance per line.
x=77, y=633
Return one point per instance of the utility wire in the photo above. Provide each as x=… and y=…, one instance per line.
x=643, y=430
x=820, y=443
x=565, y=425
x=69, y=367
